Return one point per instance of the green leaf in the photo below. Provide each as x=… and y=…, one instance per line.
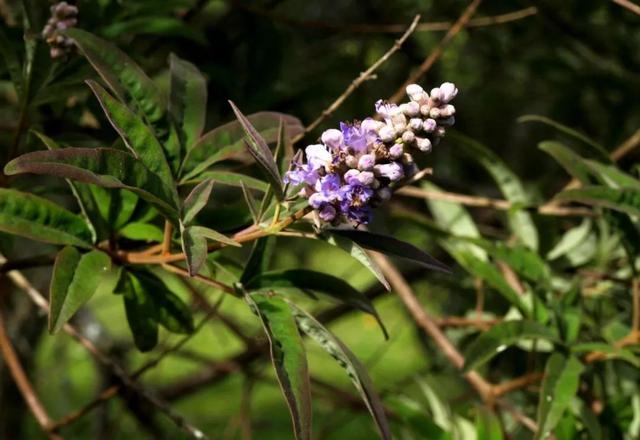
x=231, y=179
x=289, y=358
x=499, y=337
x=140, y=311
x=36, y=218
x=228, y=139
x=570, y=240
x=196, y=200
x=623, y=199
x=356, y=372
x=75, y=279
x=610, y=351
x=597, y=148
x=252, y=203
x=194, y=245
x=170, y=311
x=560, y=384
x=569, y=160
x=304, y=279
x=125, y=78
x=141, y=232
x=488, y=425
x=391, y=246
x=358, y=253
x=157, y=26
x=611, y=175
x=103, y=167
x=520, y=221
x=260, y=151
x=137, y=136
x=188, y=103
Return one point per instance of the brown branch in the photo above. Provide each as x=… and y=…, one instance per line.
x=364, y=76
x=201, y=278
x=629, y=5
x=517, y=383
x=22, y=382
x=486, y=202
x=460, y=24
x=166, y=238
x=21, y=282
x=626, y=147
x=455, y=321
x=426, y=322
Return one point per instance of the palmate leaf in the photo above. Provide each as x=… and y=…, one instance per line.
x=391, y=246
x=510, y=185
x=103, y=167
x=260, y=151
x=76, y=278
x=137, y=136
x=188, y=100
x=288, y=356
x=36, y=218
x=356, y=372
x=560, y=384
x=499, y=337
x=304, y=279
x=226, y=140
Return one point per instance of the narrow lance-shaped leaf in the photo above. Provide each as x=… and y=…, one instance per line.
x=560, y=384
x=251, y=203
x=510, y=185
x=137, y=136
x=304, y=279
x=196, y=200
x=499, y=337
x=140, y=311
x=260, y=151
x=227, y=140
x=170, y=310
x=571, y=239
x=356, y=372
x=103, y=167
x=568, y=159
x=188, y=103
x=289, y=358
x=194, y=245
x=623, y=199
x=141, y=231
x=39, y=219
x=258, y=259
x=76, y=278
x=391, y=246
x=230, y=179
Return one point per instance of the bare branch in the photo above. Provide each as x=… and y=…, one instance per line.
x=629, y=5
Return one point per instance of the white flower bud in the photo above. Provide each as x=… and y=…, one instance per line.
x=351, y=161
x=366, y=162
x=396, y=151
x=387, y=134
x=407, y=159
x=425, y=109
x=436, y=94
x=424, y=145
x=435, y=113
x=370, y=124
x=414, y=89
x=447, y=110
x=408, y=137
x=440, y=131
x=449, y=91
x=429, y=125
x=400, y=128
x=412, y=109
x=332, y=138
x=415, y=124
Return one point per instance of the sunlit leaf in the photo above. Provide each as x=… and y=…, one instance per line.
x=289, y=358
x=570, y=240
x=142, y=232
x=488, y=425
x=623, y=199
x=39, y=219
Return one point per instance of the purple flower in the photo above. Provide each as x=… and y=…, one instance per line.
x=327, y=213
x=366, y=162
x=357, y=136
x=333, y=138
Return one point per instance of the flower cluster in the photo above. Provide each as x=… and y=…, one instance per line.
x=352, y=169
x=63, y=16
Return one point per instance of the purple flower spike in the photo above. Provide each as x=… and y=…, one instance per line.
x=327, y=213
x=366, y=162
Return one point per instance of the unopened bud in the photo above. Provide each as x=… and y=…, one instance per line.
x=424, y=145
x=429, y=125
x=408, y=137
x=415, y=124
x=387, y=134
x=436, y=94
x=351, y=161
x=435, y=113
x=425, y=109
x=414, y=89
x=412, y=109
x=366, y=162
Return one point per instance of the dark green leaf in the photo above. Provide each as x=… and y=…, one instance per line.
x=36, y=218
x=194, y=245
x=304, y=279
x=196, y=200
x=258, y=259
x=560, y=384
x=159, y=26
x=356, y=372
x=260, y=151
x=188, y=103
x=141, y=232
x=226, y=140
x=391, y=246
x=137, y=136
x=232, y=179
x=170, y=311
x=251, y=203
x=103, y=167
x=624, y=199
x=569, y=160
x=612, y=176
x=75, y=279
x=140, y=310
x=499, y=337
x=289, y=358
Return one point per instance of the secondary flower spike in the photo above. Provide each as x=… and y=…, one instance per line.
x=63, y=16
x=351, y=170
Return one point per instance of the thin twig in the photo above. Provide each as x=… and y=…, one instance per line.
x=487, y=202
x=635, y=326
x=626, y=147
x=364, y=76
x=21, y=282
x=629, y=5
x=206, y=280
x=22, y=382
x=517, y=383
x=460, y=24
x=455, y=321
x=166, y=238
x=427, y=323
